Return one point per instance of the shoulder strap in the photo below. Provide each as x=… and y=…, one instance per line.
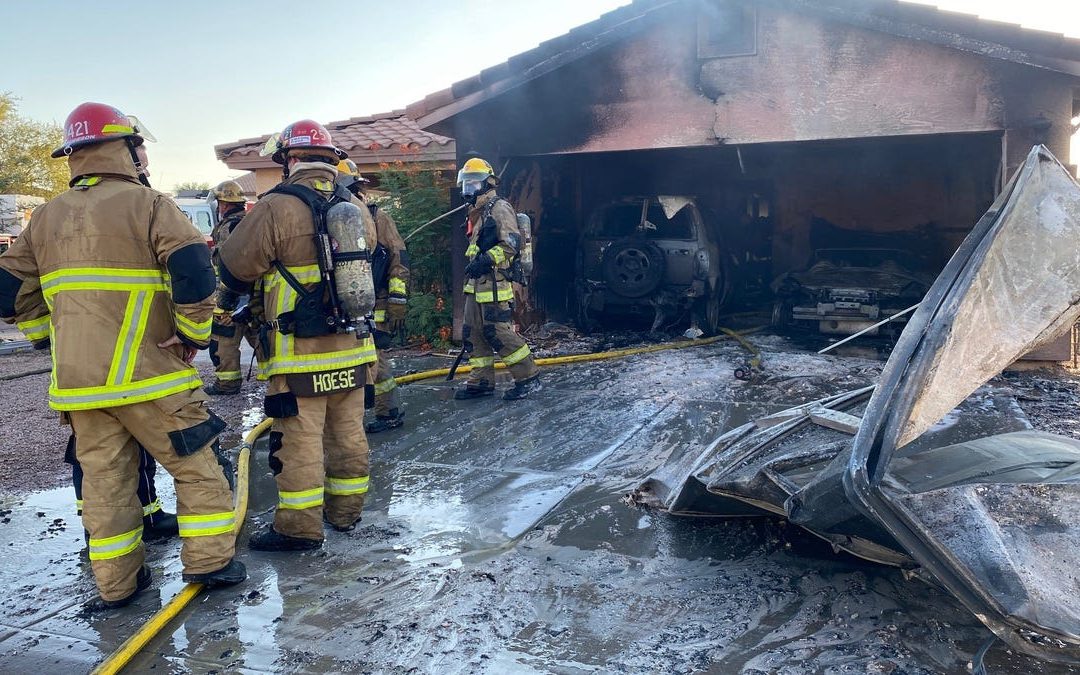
x=313, y=198
x=292, y=280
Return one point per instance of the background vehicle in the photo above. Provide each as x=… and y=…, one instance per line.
x=848, y=289
x=201, y=214
x=650, y=255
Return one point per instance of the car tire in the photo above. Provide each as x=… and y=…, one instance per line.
x=633, y=268
x=781, y=314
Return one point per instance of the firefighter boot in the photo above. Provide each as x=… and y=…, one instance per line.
x=523, y=388
x=386, y=422
x=341, y=528
x=221, y=389
x=475, y=390
x=270, y=539
x=142, y=582
x=233, y=573
x=159, y=525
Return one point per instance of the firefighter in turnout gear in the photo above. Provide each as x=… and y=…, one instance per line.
x=315, y=392
x=495, y=242
x=390, y=268
x=122, y=283
x=225, y=334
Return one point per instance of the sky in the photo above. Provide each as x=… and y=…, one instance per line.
x=204, y=72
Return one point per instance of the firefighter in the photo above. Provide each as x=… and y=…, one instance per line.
x=315, y=391
x=225, y=334
x=158, y=524
x=495, y=242
x=123, y=282
x=390, y=268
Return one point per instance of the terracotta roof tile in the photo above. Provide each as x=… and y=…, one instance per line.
x=363, y=138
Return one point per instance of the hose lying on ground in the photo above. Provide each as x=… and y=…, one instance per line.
x=598, y=356
x=127, y=651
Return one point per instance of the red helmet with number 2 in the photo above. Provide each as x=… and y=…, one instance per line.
x=91, y=123
x=305, y=134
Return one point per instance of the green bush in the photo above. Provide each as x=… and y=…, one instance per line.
x=412, y=196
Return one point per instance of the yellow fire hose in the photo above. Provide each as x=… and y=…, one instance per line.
x=127, y=651
x=600, y=356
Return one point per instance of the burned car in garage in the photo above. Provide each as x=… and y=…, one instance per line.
x=650, y=256
x=846, y=290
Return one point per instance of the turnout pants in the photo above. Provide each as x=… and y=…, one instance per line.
x=487, y=328
x=111, y=510
x=225, y=353
x=319, y=458
x=147, y=490
x=386, y=387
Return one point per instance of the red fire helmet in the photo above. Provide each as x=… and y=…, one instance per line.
x=303, y=134
x=91, y=123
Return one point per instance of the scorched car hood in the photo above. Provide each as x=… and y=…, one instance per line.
x=994, y=519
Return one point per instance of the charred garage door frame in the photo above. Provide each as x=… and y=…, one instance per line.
x=771, y=205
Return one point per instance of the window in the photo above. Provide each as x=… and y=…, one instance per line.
x=726, y=29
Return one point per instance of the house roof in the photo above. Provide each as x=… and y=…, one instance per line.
x=386, y=137
x=247, y=183
x=965, y=32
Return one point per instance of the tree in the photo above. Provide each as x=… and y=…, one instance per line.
x=25, y=148
x=191, y=185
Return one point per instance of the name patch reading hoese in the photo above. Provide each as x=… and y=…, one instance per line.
x=325, y=383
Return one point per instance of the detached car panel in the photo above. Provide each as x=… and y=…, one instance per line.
x=934, y=471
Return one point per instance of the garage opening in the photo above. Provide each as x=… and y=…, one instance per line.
x=689, y=233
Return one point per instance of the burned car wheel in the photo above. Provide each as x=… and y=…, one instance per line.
x=633, y=269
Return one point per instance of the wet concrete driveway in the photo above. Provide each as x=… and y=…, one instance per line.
x=496, y=539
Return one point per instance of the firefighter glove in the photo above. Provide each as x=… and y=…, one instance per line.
x=479, y=266
x=395, y=315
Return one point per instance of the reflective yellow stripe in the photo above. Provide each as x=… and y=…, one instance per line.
x=78, y=506
x=506, y=293
x=228, y=375
x=102, y=279
x=88, y=181
x=284, y=359
x=380, y=316
x=197, y=331
x=116, y=129
x=497, y=254
x=314, y=363
x=470, y=286
x=114, y=547
x=482, y=361
x=517, y=355
x=346, y=486
x=304, y=499
x=35, y=329
x=472, y=250
x=206, y=525
x=151, y=508
x=122, y=368
x=86, y=398
x=397, y=286
x=385, y=386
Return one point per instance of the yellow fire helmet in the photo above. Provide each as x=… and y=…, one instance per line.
x=229, y=191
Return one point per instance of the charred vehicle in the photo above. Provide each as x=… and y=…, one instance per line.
x=650, y=256
x=848, y=289
x=933, y=470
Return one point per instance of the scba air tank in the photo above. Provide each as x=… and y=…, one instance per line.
x=352, y=260
x=525, y=254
